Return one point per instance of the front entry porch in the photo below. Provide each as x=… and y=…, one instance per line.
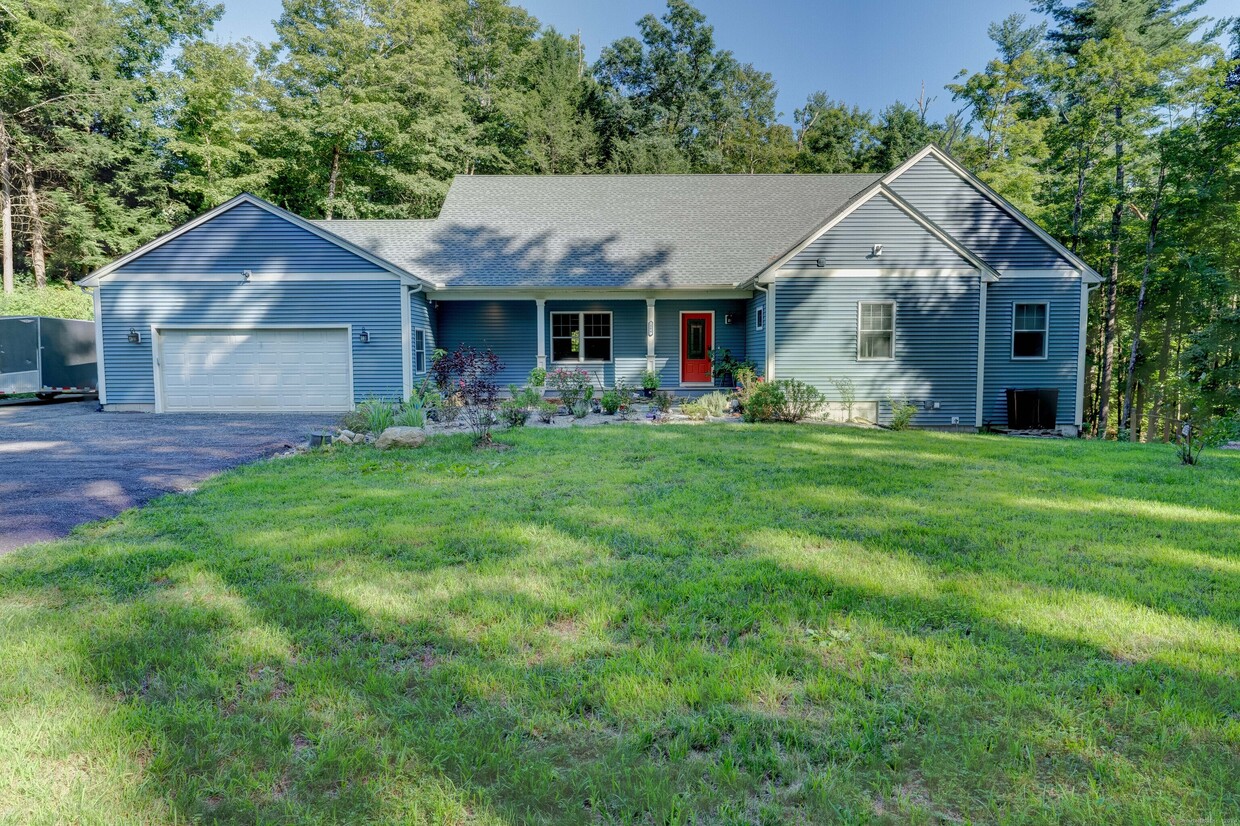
x=613, y=339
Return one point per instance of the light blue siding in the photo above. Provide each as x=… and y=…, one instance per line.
x=373, y=304
x=628, y=339
x=936, y=329
x=248, y=238
x=667, y=332
x=974, y=220
x=1063, y=295
x=507, y=328
x=421, y=317
x=755, y=339
x=850, y=243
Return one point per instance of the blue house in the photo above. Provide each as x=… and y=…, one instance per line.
x=921, y=284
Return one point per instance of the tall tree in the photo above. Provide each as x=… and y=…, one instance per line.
x=1135, y=40
x=559, y=127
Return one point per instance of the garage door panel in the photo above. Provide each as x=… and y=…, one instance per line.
x=256, y=370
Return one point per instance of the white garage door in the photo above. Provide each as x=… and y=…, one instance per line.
x=255, y=370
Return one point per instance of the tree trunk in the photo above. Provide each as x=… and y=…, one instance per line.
x=1164, y=360
x=332, y=178
x=38, y=260
x=1139, y=314
x=6, y=210
x=1111, y=302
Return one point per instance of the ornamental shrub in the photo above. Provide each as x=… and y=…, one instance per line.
x=902, y=413
x=470, y=374
x=765, y=403
x=801, y=400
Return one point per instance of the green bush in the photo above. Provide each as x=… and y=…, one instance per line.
x=514, y=413
x=800, y=400
x=546, y=412
x=54, y=300
x=538, y=377
x=765, y=404
x=610, y=402
x=661, y=401
x=650, y=380
x=902, y=413
x=715, y=404
x=695, y=410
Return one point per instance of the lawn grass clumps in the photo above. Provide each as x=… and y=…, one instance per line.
x=707, y=624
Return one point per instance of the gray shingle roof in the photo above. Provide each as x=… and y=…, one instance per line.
x=607, y=231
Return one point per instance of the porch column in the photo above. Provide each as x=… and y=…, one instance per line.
x=541, y=304
x=650, y=334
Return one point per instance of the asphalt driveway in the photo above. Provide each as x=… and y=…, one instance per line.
x=64, y=464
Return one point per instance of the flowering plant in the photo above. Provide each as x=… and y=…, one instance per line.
x=574, y=386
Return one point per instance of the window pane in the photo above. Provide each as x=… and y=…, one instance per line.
x=562, y=349
x=761, y=317
x=598, y=324
x=419, y=351
x=1030, y=316
x=875, y=345
x=1029, y=344
x=563, y=324
x=695, y=347
x=597, y=349
x=877, y=316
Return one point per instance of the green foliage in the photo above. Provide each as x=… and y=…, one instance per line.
x=54, y=300
x=573, y=386
x=547, y=411
x=715, y=403
x=372, y=416
x=695, y=410
x=610, y=402
x=801, y=400
x=773, y=600
x=413, y=413
x=848, y=395
x=661, y=401
x=538, y=377
x=902, y=413
x=765, y=403
x=514, y=413
x=650, y=380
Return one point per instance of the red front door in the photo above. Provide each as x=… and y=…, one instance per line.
x=695, y=343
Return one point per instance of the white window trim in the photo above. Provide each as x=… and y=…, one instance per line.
x=1046, y=332
x=891, y=357
x=680, y=349
x=581, y=326
x=760, y=318
x=421, y=351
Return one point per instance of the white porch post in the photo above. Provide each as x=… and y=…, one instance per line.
x=541, y=304
x=650, y=334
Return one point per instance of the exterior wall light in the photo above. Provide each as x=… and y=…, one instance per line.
x=246, y=274
x=877, y=250
x=364, y=336
x=134, y=336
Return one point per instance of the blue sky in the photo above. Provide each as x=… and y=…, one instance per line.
x=867, y=52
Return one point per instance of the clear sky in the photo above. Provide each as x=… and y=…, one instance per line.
x=867, y=52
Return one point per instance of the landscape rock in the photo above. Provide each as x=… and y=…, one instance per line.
x=401, y=437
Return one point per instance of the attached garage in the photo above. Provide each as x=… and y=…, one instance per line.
x=254, y=370
x=250, y=309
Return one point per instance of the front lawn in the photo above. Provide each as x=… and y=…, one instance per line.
x=711, y=624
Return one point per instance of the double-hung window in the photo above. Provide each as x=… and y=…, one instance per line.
x=761, y=318
x=419, y=351
x=581, y=336
x=876, y=329
x=1029, y=328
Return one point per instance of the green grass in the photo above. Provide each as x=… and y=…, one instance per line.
x=714, y=624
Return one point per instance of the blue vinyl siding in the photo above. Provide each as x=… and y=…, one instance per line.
x=628, y=339
x=248, y=238
x=755, y=339
x=1063, y=295
x=850, y=243
x=373, y=304
x=936, y=328
x=667, y=332
x=507, y=328
x=973, y=219
x=421, y=318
